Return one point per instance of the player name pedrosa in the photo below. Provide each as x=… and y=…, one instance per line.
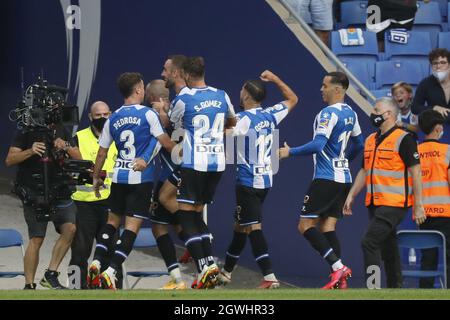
x=127, y=120
x=207, y=104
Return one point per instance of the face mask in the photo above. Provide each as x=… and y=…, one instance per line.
x=99, y=123
x=440, y=75
x=376, y=119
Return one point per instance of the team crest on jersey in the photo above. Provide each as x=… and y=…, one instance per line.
x=324, y=123
x=306, y=199
x=324, y=120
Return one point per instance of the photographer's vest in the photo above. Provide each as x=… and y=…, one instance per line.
x=434, y=160
x=88, y=145
x=387, y=180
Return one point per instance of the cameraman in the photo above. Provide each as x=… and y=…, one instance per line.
x=28, y=150
x=92, y=212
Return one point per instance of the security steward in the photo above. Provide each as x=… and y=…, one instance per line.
x=435, y=163
x=391, y=174
x=92, y=212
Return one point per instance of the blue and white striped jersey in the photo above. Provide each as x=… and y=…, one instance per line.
x=134, y=129
x=408, y=118
x=202, y=112
x=255, y=133
x=337, y=123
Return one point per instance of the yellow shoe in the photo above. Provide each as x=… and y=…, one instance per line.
x=108, y=281
x=173, y=285
x=207, y=279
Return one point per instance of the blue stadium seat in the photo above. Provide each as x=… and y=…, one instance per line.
x=382, y=93
x=424, y=239
x=428, y=18
x=369, y=49
x=389, y=72
x=11, y=238
x=442, y=8
x=428, y=13
x=444, y=40
x=361, y=70
x=368, y=53
x=419, y=44
x=353, y=13
x=416, y=50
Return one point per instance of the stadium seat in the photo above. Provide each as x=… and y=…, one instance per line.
x=362, y=70
x=428, y=13
x=365, y=54
x=144, y=240
x=353, y=13
x=416, y=50
x=419, y=44
x=428, y=18
x=389, y=72
x=424, y=239
x=369, y=49
x=442, y=8
x=444, y=40
x=11, y=238
x=382, y=93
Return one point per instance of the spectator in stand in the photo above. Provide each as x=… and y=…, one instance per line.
x=433, y=92
x=321, y=12
x=402, y=93
x=394, y=14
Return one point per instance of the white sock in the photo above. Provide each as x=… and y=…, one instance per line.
x=226, y=273
x=270, y=277
x=111, y=271
x=176, y=275
x=337, y=265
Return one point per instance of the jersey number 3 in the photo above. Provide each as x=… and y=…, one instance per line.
x=129, y=151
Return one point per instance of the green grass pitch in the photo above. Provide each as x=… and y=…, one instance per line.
x=241, y=294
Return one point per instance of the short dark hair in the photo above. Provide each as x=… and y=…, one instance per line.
x=177, y=60
x=439, y=52
x=256, y=89
x=340, y=78
x=429, y=119
x=127, y=81
x=195, y=67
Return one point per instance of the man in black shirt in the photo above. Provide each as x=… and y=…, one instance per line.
x=392, y=14
x=433, y=92
x=26, y=151
x=390, y=156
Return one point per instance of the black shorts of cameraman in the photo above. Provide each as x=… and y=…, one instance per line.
x=91, y=218
x=65, y=213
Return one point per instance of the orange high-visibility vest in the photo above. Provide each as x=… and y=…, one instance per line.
x=434, y=160
x=387, y=180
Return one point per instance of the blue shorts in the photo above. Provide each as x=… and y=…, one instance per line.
x=320, y=11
